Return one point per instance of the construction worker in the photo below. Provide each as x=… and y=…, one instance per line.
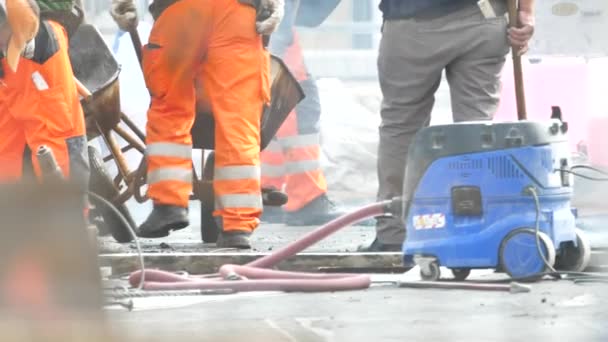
x=291, y=160
x=39, y=101
x=217, y=43
x=421, y=39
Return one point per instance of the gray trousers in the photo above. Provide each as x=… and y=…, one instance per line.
x=413, y=55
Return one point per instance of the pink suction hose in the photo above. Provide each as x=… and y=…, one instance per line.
x=256, y=275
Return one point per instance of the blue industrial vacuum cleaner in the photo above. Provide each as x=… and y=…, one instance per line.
x=492, y=196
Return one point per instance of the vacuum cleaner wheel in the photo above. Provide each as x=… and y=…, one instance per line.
x=430, y=273
x=519, y=254
x=575, y=258
x=460, y=274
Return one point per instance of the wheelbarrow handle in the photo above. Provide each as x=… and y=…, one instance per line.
x=520, y=96
x=82, y=89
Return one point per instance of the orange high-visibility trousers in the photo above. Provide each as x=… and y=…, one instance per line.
x=39, y=105
x=214, y=42
x=291, y=160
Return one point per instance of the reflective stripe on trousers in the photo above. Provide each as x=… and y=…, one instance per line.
x=241, y=173
x=170, y=163
x=173, y=69
x=295, y=168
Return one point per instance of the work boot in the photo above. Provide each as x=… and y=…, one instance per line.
x=162, y=220
x=234, y=239
x=378, y=246
x=273, y=215
x=320, y=211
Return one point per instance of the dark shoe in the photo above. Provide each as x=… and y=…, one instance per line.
x=162, y=220
x=320, y=211
x=235, y=239
x=378, y=246
x=273, y=215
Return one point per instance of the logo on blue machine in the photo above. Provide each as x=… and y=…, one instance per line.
x=430, y=221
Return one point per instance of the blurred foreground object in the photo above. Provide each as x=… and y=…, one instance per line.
x=50, y=286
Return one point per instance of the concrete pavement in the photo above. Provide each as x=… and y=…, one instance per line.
x=553, y=311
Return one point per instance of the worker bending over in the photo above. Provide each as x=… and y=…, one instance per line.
x=292, y=160
x=39, y=102
x=421, y=39
x=214, y=42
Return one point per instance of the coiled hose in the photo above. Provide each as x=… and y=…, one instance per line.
x=257, y=275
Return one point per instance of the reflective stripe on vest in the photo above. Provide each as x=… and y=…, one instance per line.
x=270, y=170
x=302, y=166
x=274, y=146
x=164, y=149
x=170, y=174
x=237, y=172
x=238, y=201
x=300, y=141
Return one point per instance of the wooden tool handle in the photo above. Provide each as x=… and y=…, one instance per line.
x=136, y=41
x=82, y=90
x=520, y=95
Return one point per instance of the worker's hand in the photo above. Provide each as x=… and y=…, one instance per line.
x=124, y=13
x=519, y=37
x=269, y=16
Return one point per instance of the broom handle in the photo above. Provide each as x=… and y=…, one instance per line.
x=520, y=95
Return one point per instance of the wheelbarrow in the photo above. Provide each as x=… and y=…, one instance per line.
x=96, y=68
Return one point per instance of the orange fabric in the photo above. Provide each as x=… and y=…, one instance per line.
x=38, y=117
x=303, y=187
x=214, y=43
x=275, y=161
x=23, y=21
x=300, y=187
x=295, y=60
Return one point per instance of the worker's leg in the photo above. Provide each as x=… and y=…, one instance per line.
x=274, y=174
x=236, y=74
x=175, y=49
x=412, y=56
x=273, y=164
x=410, y=64
x=474, y=76
x=306, y=186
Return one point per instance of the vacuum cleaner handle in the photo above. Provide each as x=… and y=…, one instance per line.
x=520, y=96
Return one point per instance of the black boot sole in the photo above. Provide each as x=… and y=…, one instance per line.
x=164, y=231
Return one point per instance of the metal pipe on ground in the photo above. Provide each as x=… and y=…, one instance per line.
x=449, y=285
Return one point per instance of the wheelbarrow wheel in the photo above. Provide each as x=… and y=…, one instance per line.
x=106, y=219
x=209, y=229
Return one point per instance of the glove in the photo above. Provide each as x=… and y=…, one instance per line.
x=270, y=14
x=124, y=14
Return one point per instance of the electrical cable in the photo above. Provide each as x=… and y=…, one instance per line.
x=584, y=176
x=131, y=231
x=585, y=167
x=589, y=167
x=532, y=191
